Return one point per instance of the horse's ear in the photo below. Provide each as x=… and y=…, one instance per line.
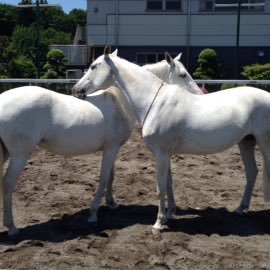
x=107, y=50
x=169, y=59
x=115, y=52
x=178, y=57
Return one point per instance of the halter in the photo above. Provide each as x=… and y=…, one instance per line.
x=152, y=103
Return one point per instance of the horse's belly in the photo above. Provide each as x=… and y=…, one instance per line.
x=74, y=143
x=209, y=143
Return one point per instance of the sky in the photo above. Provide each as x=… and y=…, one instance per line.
x=67, y=5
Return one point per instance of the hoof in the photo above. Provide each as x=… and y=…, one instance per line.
x=241, y=210
x=13, y=232
x=113, y=206
x=159, y=229
x=92, y=221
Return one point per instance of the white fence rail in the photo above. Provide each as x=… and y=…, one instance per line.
x=70, y=82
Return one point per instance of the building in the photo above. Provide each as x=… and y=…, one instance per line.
x=143, y=30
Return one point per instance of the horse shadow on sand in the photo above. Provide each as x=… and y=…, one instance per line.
x=190, y=221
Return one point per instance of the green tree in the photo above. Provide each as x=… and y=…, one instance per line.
x=208, y=66
x=258, y=72
x=26, y=2
x=55, y=65
x=52, y=36
x=5, y=55
x=78, y=16
x=22, y=67
x=23, y=41
x=8, y=19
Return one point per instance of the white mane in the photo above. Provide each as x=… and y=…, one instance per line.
x=160, y=69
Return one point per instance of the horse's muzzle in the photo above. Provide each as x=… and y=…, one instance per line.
x=80, y=94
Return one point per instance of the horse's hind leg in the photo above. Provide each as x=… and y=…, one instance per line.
x=109, y=195
x=15, y=167
x=109, y=156
x=264, y=145
x=247, y=146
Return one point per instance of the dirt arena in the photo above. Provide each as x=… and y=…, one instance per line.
x=54, y=192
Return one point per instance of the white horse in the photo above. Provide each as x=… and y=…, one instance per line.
x=172, y=71
x=176, y=121
x=64, y=125
x=31, y=116
x=169, y=70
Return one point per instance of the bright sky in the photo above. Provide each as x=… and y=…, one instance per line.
x=67, y=5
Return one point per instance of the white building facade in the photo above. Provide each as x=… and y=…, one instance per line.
x=143, y=30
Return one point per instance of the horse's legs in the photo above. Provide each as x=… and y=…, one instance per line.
x=170, y=196
x=163, y=164
x=109, y=196
x=264, y=143
x=247, y=147
x=109, y=156
x=15, y=167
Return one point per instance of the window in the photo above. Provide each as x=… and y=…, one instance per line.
x=169, y=5
x=232, y=5
x=149, y=58
x=173, y=5
x=154, y=5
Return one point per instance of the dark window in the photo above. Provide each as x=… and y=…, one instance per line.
x=173, y=5
x=141, y=58
x=232, y=5
x=154, y=5
x=151, y=58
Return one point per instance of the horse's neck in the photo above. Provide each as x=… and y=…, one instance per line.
x=139, y=85
x=193, y=87
x=161, y=70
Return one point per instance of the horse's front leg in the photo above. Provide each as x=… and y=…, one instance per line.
x=15, y=167
x=247, y=147
x=163, y=161
x=109, y=195
x=171, y=201
x=109, y=156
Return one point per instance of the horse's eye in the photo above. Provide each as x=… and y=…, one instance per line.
x=183, y=74
x=93, y=67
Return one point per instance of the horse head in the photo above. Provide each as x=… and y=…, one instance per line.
x=179, y=75
x=98, y=76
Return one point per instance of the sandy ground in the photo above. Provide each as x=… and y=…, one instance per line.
x=54, y=192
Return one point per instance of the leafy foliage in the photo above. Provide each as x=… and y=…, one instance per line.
x=8, y=19
x=22, y=68
x=230, y=85
x=208, y=65
x=55, y=65
x=208, y=68
x=18, y=34
x=258, y=72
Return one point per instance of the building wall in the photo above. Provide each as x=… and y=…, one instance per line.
x=127, y=25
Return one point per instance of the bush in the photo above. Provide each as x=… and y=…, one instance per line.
x=208, y=68
x=55, y=65
x=22, y=67
x=225, y=86
x=258, y=72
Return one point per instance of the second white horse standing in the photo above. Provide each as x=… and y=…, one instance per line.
x=176, y=121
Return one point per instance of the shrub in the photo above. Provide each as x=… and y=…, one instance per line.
x=230, y=85
x=55, y=65
x=22, y=67
x=208, y=67
x=258, y=72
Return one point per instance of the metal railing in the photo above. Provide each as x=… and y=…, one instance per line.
x=67, y=84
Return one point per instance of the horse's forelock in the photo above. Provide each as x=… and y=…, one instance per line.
x=160, y=69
